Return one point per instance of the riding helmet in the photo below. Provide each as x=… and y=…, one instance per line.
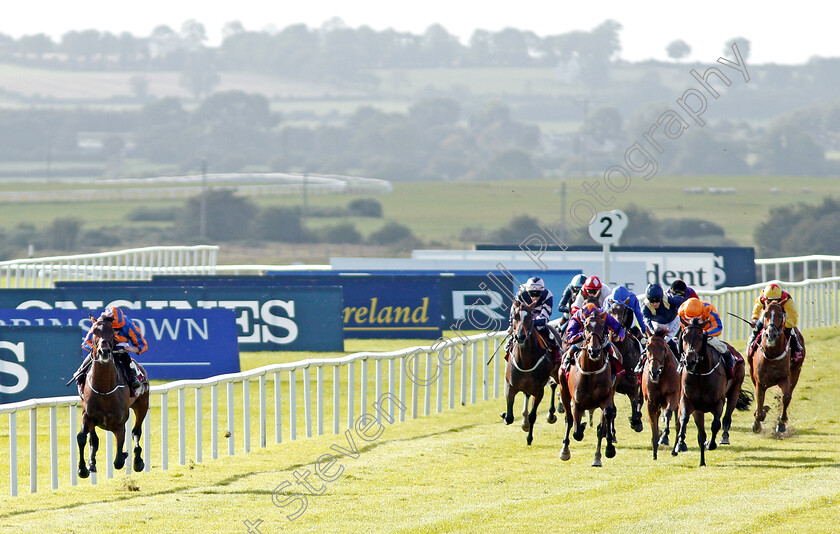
x=772, y=291
x=654, y=291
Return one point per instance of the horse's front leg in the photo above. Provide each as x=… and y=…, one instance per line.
x=119, y=458
x=551, y=418
x=609, y=418
x=532, y=417
x=760, y=412
x=94, y=446
x=580, y=426
x=679, y=445
x=510, y=394
x=781, y=426
x=526, y=426
x=716, y=425
x=653, y=416
x=81, y=441
x=699, y=421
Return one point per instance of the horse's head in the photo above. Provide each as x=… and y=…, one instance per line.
x=593, y=335
x=523, y=324
x=657, y=353
x=103, y=341
x=774, y=323
x=693, y=340
x=622, y=313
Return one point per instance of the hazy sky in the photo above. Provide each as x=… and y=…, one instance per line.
x=777, y=35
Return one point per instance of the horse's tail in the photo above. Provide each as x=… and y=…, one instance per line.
x=744, y=400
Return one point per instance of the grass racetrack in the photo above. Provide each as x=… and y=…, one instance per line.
x=463, y=470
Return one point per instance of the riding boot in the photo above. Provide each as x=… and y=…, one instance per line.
x=729, y=362
x=640, y=367
x=795, y=348
x=570, y=356
x=130, y=374
x=81, y=372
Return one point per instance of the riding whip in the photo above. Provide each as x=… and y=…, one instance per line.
x=739, y=317
x=497, y=350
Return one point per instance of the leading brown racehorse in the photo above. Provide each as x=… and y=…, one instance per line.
x=705, y=389
x=530, y=365
x=106, y=402
x=661, y=386
x=588, y=385
x=771, y=365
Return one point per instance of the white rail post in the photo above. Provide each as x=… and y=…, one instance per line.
x=13, y=465
x=464, y=364
x=246, y=415
x=278, y=409
x=319, y=377
x=364, y=387
x=109, y=454
x=33, y=450
x=427, y=384
x=451, y=375
x=214, y=421
x=402, y=386
x=263, y=414
x=292, y=405
x=147, y=442
x=392, y=385
x=336, y=398
x=164, y=431
x=377, y=388
x=199, y=416
x=182, y=427
x=439, y=382
x=350, y=395
x=231, y=419
x=53, y=447
x=307, y=401
x=486, y=347
x=74, y=446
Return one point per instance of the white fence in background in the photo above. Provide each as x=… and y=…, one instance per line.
x=797, y=268
x=130, y=264
x=452, y=374
x=817, y=301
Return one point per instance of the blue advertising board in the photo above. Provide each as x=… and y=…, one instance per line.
x=267, y=318
x=182, y=344
x=37, y=362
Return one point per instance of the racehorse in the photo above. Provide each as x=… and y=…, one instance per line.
x=529, y=367
x=106, y=402
x=661, y=386
x=588, y=385
x=705, y=389
x=627, y=383
x=771, y=366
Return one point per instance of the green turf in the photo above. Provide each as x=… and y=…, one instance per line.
x=463, y=471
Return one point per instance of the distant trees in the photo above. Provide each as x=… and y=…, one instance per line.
x=800, y=229
x=743, y=47
x=678, y=49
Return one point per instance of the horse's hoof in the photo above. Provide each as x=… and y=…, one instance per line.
x=565, y=454
x=610, y=452
x=664, y=440
x=83, y=472
x=674, y=452
x=551, y=419
x=756, y=427
x=530, y=439
x=138, y=465
x=597, y=461
x=711, y=445
x=683, y=447
x=119, y=461
x=92, y=468
x=780, y=428
x=577, y=436
x=724, y=439
x=637, y=426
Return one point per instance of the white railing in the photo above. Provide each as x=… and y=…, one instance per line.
x=450, y=373
x=817, y=301
x=130, y=264
x=797, y=268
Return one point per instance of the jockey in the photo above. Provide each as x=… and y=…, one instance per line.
x=569, y=296
x=660, y=311
x=574, y=334
x=774, y=293
x=592, y=289
x=127, y=338
x=539, y=299
x=713, y=326
x=681, y=291
x=626, y=297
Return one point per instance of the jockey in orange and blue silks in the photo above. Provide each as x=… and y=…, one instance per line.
x=713, y=326
x=127, y=338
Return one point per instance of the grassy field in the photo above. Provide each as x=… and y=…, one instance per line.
x=464, y=471
x=439, y=212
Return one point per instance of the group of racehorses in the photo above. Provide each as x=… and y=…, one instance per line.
x=692, y=383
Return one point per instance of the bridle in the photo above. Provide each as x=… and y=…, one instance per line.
x=654, y=358
x=521, y=338
x=101, y=353
x=774, y=331
x=590, y=335
x=704, y=348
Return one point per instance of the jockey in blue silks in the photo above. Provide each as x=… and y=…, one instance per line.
x=624, y=296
